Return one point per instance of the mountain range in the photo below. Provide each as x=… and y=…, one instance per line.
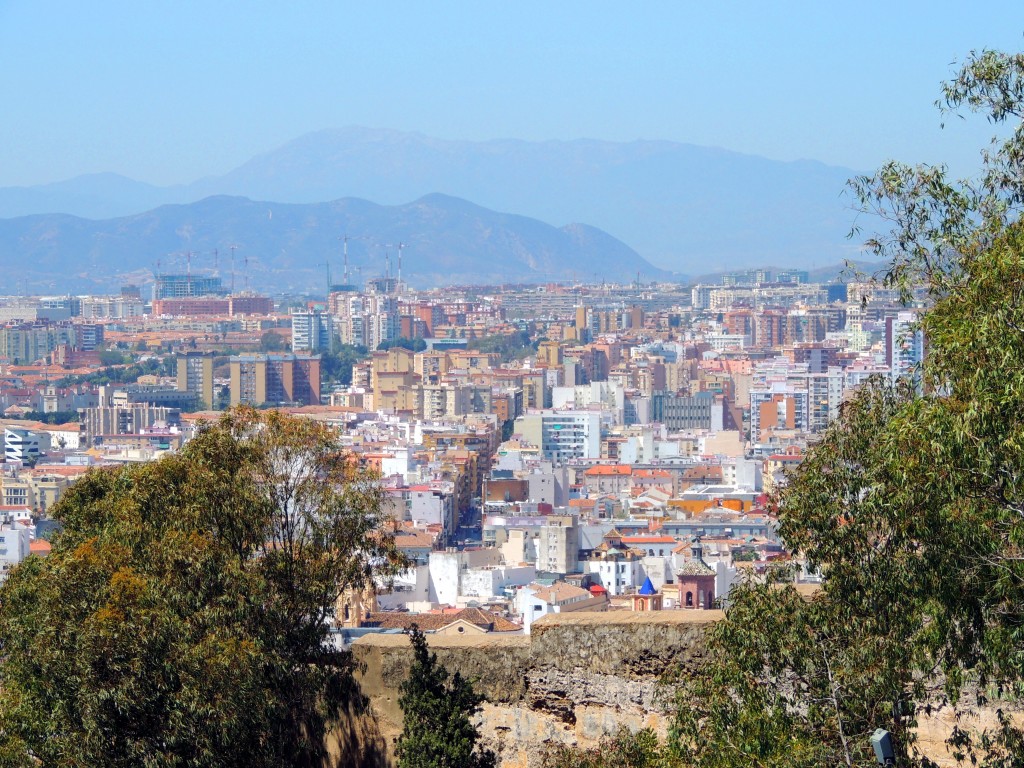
x=682, y=207
x=287, y=247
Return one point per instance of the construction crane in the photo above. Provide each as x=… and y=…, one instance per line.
x=233, y=249
x=344, y=251
x=399, y=247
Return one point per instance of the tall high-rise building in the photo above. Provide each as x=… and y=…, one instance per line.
x=904, y=345
x=275, y=379
x=195, y=375
x=89, y=336
x=778, y=406
x=25, y=343
x=312, y=331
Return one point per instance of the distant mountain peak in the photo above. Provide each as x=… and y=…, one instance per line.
x=679, y=205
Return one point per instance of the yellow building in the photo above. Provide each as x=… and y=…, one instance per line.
x=37, y=491
x=195, y=375
x=549, y=354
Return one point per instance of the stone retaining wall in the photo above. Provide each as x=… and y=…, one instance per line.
x=576, y=678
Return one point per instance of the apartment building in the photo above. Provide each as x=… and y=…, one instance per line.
x=195, y=376
x=275, y=379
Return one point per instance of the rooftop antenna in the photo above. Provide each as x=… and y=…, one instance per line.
x=216, y=262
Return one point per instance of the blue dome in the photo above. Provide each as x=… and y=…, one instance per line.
x=647, y=588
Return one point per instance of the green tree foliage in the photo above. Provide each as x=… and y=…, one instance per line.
x=508, y=347
x=111, y=357
x=937, y=224
x=625, y=749
x=911, y=504
x=797, y=682
x=271, y=341
x=413, y=345
x=126, y=374
x=54, y=417
x=437, y=730
x=181, y=617
x=337, y=365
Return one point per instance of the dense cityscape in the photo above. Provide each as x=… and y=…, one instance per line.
x=544, y=449
x=511, y=386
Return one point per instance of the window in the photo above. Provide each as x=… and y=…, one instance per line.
x=689, y=599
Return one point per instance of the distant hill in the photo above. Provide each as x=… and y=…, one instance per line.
x=287, y=246
x=683, y=207
x=94, y=196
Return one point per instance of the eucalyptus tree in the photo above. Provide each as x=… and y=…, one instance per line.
x=181, y=618
x=912, y=504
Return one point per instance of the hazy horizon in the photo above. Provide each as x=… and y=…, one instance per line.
x=172, y=94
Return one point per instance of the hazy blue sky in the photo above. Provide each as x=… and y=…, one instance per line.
x=167, y=92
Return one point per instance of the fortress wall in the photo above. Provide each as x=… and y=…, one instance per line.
x=578, y=677
x=575, y=678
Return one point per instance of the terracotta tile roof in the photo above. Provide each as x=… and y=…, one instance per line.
x=59, y=469
x=585, y=503
x=786, y=457
x=40, y=547
x=558, y=592
x=649, y=540
x=432, y=622
x=416, y=539
x=609, y=470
